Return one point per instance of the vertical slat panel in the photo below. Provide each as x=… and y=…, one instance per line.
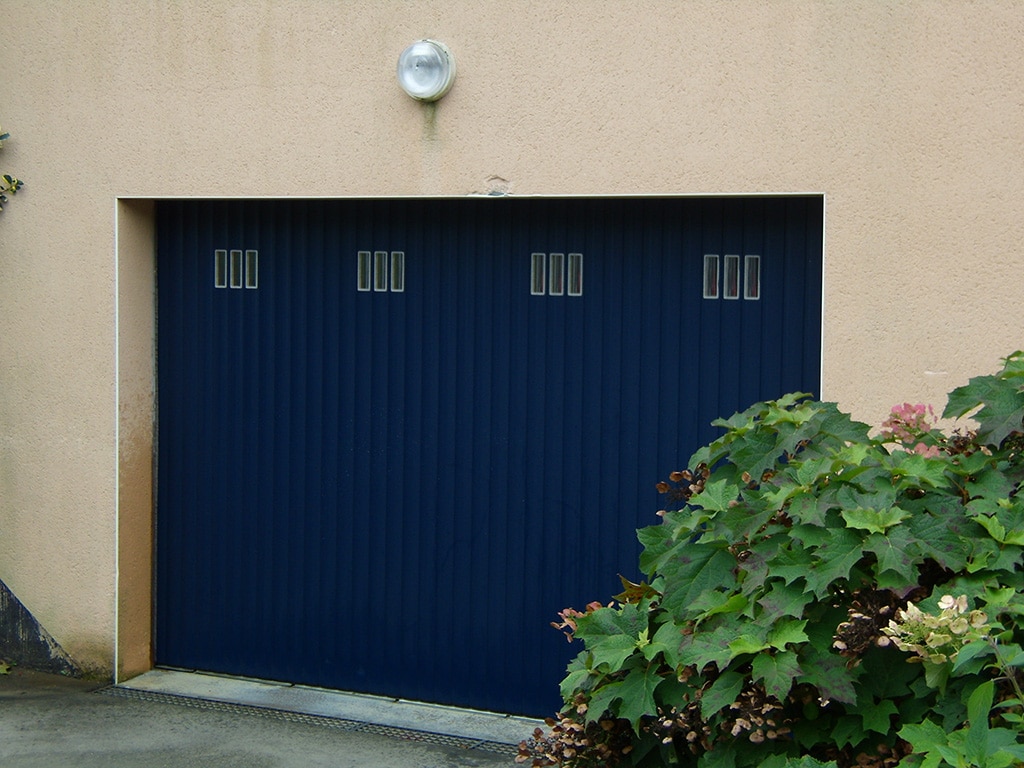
x=753, y=338
x=776, y=279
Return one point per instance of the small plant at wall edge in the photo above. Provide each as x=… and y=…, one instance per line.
x=8, y=183
x=817, y=596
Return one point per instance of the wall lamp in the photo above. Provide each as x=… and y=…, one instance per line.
x=426, y=70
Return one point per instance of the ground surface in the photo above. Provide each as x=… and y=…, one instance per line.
x=49, y=721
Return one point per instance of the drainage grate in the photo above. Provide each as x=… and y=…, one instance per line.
x=318, y=720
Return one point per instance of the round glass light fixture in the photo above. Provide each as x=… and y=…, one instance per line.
x=426, y=70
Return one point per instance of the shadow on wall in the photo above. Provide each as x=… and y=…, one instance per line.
x=25, y=643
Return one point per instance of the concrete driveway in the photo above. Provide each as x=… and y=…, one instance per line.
x=49, y=721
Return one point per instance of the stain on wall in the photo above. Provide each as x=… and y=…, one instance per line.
x=25, y=643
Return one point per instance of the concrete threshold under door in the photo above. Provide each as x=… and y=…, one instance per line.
x=322, y=702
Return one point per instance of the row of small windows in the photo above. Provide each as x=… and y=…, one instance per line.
x=236, y=268
x=381, y=271
x=723, y=277
x=553, y=274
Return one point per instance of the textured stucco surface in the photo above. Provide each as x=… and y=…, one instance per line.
x=908, y=116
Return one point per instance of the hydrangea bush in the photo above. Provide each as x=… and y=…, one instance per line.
x=815, y=595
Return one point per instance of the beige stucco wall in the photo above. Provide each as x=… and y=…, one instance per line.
x=908, y=117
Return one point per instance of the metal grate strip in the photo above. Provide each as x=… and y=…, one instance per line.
x=318, y=720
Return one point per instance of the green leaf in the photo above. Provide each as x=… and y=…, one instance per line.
x=874, y=490
x=849, y=729
x=659, y=546
x=941, y=534
x=637, y=693
x=896, y=552
x=842, y=427
x=978, y=707
x=810, y=536
x=777, y=672
x=990, y=483
x=603, y=700
x=789, y=408
x=711, y=644
x=613, y=634
x=1004, y=750
x=629, y=619
x=834, y=560
x=717, y=496
x=747, y=644
x=1002, y=517
x=787, y=632
x=993, y=526
x=999, y=596
x=886, y=677
x=926, y=738
x=937, y=675
x=712, y=603
x=783, y=600
x=1011, y=515
x=806, y=761
x=1002, y=406
x=744, y=521
x=578, y=679
x=810, y=508
x=875, y=716
x=722, y=693
x=828, y=673
x=790, y=564
x=953, y=750
x=722, y=756
x=980, y=703
x=853, y=456
x=914, y=470
x=693, y=570
x=810, y=472
x=612, y=650
x=758, y=452
x=969, y=396
x=874, y=520
x=969, y=653
x=668, y=640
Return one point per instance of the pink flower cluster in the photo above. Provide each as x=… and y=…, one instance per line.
x=907, y=424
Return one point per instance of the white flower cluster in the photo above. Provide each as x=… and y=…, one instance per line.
x=937, y=639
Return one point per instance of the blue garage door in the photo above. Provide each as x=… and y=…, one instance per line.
x=397, y=436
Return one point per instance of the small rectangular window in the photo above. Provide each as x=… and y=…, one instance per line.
x=398, y=271
x=752, y=277
x=731, y=278
x=220, y=269
x=556, y=274
x=364, y=271
x=380, y=270
x=236, y=269
x=710, y=276
x=252, y=265
x=575, y=274
x=537, y=273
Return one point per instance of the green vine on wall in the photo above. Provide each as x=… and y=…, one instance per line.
x=8, y=183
